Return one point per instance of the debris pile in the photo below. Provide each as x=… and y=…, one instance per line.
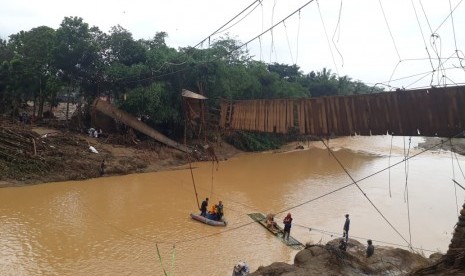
x=21, y=152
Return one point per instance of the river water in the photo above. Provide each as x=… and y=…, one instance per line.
x=114, y=225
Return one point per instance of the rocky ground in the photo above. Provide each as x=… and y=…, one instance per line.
x=317, y=259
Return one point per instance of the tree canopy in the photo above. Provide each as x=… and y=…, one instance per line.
x=145, y=76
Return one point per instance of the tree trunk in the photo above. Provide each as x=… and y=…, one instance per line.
x=41, y=101
x=67, y=100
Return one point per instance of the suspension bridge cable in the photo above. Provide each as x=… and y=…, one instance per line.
x=368, y=176
x=297, y=44
x=389, y=164
x=458, y=184
x=338, y=30
x=422, y=35
x=327, y=38
x=453, y=28
x=271, y=32
x=453, y=175
x=240, y=20
x=450, y=14
x=200, y=43
x=331, y=233
x=358, y=186
x=229, y=21
x=236, y=48
x=389, y=29
x=458, y=163
x=101, y=219
x=406, y=194
x=288, y=43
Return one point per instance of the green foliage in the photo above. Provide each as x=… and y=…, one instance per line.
x=146, y=76
x=250, y=141
x=152, y=102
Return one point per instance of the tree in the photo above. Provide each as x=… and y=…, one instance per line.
x=75, y=53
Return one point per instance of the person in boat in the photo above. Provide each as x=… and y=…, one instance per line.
x=241, y=269
x=212, y=213
x=270, y=223
x=219, y=211
x=203, y=208
x=287, y=226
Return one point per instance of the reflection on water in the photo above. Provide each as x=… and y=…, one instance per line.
x=113, y=225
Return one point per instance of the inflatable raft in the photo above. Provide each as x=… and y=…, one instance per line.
x=208, y=221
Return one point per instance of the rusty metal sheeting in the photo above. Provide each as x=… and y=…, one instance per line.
x=425, y=112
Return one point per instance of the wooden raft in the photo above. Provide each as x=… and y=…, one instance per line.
x=278, y=233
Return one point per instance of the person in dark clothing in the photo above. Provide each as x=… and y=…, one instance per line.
x=342, y=245
x=203, y=208
x=287, y=226
x=102, y=167
x=219, y=211
x=345, y=233
x=370, y=249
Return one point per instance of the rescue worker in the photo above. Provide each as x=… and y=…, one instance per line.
x=287, y=226
x=203, y=208
x=219, y=211
x=270, y=223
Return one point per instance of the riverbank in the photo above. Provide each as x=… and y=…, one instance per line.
x=328, y=259
x=52, y=155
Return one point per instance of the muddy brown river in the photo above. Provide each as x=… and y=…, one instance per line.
x=113, y=225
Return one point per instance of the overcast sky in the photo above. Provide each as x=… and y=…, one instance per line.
x=361, y=47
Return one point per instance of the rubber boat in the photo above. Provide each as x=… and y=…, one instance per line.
x=208, y=221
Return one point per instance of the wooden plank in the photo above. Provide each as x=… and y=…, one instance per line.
x=278, y=233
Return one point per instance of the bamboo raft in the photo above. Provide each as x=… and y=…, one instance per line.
x=277, y=232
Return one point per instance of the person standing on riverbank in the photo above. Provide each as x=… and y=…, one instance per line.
x=370, y=249
x=102, y=168
x=345, y=232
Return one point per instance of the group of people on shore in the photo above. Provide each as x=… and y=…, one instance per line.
x=345, y=239
x=216, y=211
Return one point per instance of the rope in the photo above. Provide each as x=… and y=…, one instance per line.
x=453, y=176
x=193, y=181
x=297, y=44
x=406, y=195
x=369, y=200
x=458, y=184
x=331, y=234
x=338, y=31
x=211, y=186
x=389, y=29
x=389, y=164
x=458, y=163
x=101, y=219
x=327, y=39
x=422, y=35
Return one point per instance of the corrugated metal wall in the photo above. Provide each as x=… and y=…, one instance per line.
x=426, y=112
